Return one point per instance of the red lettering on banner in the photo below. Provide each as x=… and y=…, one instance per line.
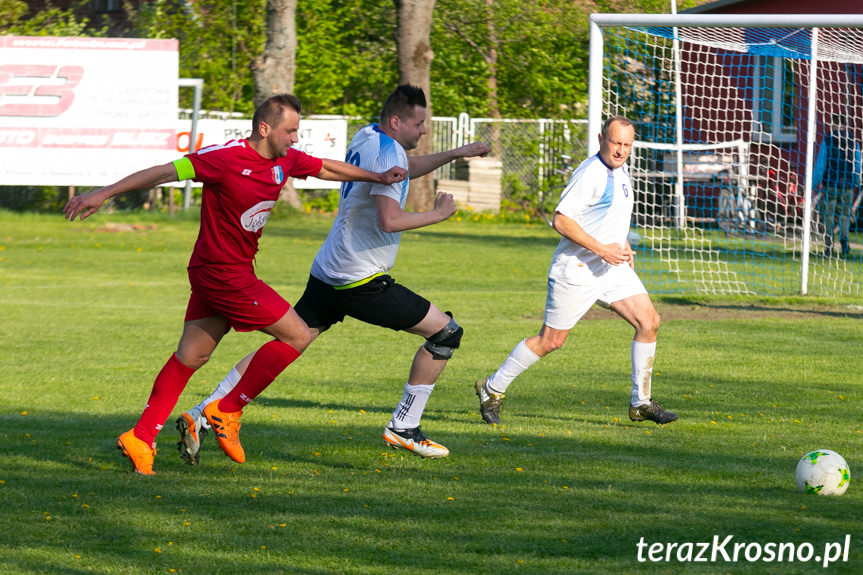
x=67, y=138
x=141, y=139
x=86, y=138
x=19, y=138
x=64, y=93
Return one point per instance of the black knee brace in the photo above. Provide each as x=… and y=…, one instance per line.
x=443, y=343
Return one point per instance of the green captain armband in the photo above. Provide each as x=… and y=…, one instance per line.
x=185, y=169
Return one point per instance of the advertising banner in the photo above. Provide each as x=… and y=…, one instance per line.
x=85, y=111
x=318, y=137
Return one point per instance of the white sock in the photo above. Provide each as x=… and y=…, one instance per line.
x=642, y=371
x=230, y=382
x=518, y=360
x=410, y=409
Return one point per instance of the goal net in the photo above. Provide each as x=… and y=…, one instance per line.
x=731, y=113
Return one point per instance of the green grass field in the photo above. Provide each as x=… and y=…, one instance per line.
x=566, y=485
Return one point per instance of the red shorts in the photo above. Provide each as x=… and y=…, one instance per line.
x=236, y=293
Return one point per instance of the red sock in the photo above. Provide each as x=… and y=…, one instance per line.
x=268, y=362
x=167, y=388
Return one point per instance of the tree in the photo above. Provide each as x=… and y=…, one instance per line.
x=415, y=56
x=16, y=19
x=274, y=68
x=218, y=41
x=346, y=59
x=532, y=55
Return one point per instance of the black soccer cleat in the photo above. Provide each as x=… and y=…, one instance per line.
x=653, y=411
x=489, y=403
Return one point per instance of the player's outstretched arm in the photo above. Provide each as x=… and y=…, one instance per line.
x=337, y=171
x=392, y=218
x=87, y=204
x=422, y=165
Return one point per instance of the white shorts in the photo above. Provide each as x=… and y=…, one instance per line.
x=566, y=303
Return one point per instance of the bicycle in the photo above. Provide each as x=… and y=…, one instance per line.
x=548, y=198
x=736, y=209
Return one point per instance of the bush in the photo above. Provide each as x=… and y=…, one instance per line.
x=33, y=198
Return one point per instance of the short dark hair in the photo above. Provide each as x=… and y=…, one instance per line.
x=273, y=108
x=402, y=102
x=622, y=120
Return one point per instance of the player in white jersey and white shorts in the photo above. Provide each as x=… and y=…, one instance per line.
x=349, y=276
x=592, y=263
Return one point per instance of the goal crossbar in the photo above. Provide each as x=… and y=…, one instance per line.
x=726, y=20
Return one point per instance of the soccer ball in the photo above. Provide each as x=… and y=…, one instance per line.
x=823, y=472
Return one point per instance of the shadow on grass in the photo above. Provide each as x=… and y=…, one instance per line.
x=329, y=498
x=744, y=309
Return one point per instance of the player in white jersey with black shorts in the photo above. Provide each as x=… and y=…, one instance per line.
x=592, y=263
x=349, y=276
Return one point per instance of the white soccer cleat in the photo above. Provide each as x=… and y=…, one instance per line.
x=414, y=441
x=192, y=428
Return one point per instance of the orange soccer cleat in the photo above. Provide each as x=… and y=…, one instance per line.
x=226, y=426
x=139, y=453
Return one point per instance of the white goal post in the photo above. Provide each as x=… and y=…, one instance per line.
x=731, y=112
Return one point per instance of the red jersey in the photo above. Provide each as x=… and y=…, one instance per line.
x=240, y=189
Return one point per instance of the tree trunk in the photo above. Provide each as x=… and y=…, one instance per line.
x=493, y=100
x=274, y=69
x=415, y=58
x=491, y=60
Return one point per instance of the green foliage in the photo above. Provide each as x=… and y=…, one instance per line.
x=567, y=486
x=34, y=198
x=11, y=12
x=15, y=18
x=320, y=201
x=540, y=56
x=346, y=50
x=218, y=42
x=346, y=56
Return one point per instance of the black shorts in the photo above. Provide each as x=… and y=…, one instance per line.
x=381, y=301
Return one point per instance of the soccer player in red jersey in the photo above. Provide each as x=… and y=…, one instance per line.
x=242, y=180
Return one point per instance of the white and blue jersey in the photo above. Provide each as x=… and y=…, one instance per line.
x=356, y=248
x=600, y=200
